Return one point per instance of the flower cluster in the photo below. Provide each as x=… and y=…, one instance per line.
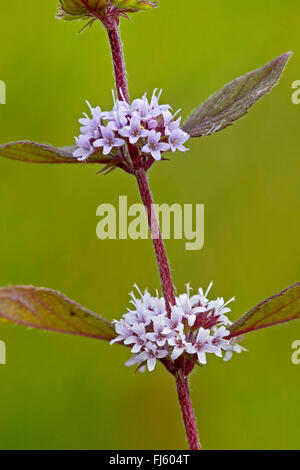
x=195, y=327
x=148, y=125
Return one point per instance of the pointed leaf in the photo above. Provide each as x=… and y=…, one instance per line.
x=33, y=152
x=280, y=308
x=235, y=99
x=49, y=310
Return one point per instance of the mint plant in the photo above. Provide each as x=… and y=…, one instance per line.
x=178, y=331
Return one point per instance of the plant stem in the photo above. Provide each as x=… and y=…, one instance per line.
x=159, y=248
x=118, y=62
x=187, y=411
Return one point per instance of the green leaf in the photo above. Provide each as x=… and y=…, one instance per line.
x=47, y=309
x=280, y=308
x=235, y=99
x=41, y=153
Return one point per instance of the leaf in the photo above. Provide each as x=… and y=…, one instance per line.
x=41, y=153
x=47, y=309
x=235, y=99
x=280, y=308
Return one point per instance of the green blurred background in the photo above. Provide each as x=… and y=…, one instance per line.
x=61, y=392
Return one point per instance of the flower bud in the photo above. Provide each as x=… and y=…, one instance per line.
x=82, y=9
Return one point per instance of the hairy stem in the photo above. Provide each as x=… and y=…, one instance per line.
x=158, y=244
x=159, y=248
x=118, y=62
x=187, y=411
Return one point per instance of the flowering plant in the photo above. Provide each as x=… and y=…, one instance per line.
x=178, y=331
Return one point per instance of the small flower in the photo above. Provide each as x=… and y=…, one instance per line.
x=175, y=322
x=134, y=131
x=218, y=309
x=202, y=345
x=154, y=146
x=108, y=140
x=123, y=331
x=189, y=305
x=176, y=140
x=159, y=336
x=138, y=338
x=179, y=345
x=118, y=120
x=218, y=341
x=85, y=148
x=149, y=355
x=90, y=127
x=233, y=347
x=140, y=108
x=169, y=123
x=155, y=108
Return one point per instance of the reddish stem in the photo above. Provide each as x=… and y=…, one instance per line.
x=187, y=411
x=118, y=62
x=159, y=248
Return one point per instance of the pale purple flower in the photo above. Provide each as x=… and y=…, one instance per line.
x=149, y=355
x=176, y=140
x=169, y=123
x=154, y=146
x=233, y=347
x=108, y=140
x=118, y=120
x=90, y=127
x=201, y=346
x=158, y=305
x=203, y=300
x=159, y=336
x=123, y=331
x=140, y=108
x=189, y=305
x=219, y=309
x=218, y=340
x=134, y=131
x=155, y=108
x=175, y=322
x=138, y=337
x=144, y=308
x=139, y=315
x=179, y=345
x=85, y=148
